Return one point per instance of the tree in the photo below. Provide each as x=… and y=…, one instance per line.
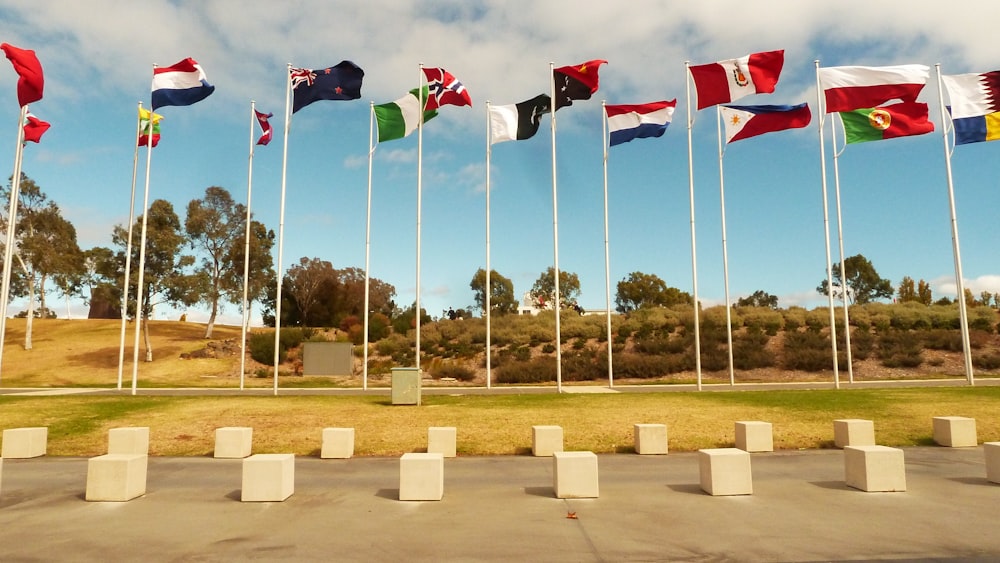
x=502, y=299
x=544, y=290
x=261, y=279
x=306, y=283
x=907, y=291
x=759, y=298
x=640, y=290
x=924, y=294
x=864, y=285
x=100, y=275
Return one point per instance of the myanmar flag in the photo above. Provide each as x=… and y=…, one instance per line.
x=398, y=119
x=902, y=119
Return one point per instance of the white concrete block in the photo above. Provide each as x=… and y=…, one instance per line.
x=853, y=432
x=116, y=477
x=955, y=431
x=650, y=439
x=421, y=476
x=22, y=443
x=992, y=452
x=575, y=475
x=233, y=442
x=874, y=468
x=338, y=443
x=268, y=477
x=441, y=440
x=725, y=471
x=546, y=440
x=754, y=436
x=129, y=440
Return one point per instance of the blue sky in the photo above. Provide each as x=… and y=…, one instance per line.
x=98, y=59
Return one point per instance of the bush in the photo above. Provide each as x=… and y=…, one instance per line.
x=261, y=345
x=900, y=349
x=807, y=351
x=750, y=352
x=456, y=371
x=538, y=370
x=636, y=366
x=989, y=362
x=862, y=343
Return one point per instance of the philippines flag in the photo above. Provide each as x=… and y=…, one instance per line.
x=637, y=121
x=181, y=84
x=727, y=81
x=743, y=122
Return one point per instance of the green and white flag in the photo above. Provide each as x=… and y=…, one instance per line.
x=398, y=119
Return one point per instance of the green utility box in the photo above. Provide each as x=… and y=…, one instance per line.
x=406, y=386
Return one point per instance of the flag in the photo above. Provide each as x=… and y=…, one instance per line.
x=576, y=82
x=975, y=106
x=729, y=80
x=445, y=89
x=518, y=122
x=31, y=82
x=743, y=122
x=638, y=121
x=144, y=118
x=901, y=119
x=858, y=87
x=34, y=128
x=400, y=118
x=181, y=84
x=341, y=81
x=265, y=126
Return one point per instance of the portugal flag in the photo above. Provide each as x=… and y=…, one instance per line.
x=901, y=119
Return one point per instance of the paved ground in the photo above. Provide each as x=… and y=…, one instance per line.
x=503, y=508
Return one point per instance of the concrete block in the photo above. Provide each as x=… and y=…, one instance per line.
x=754, y=436
x=874, y=468
x=129, y=440
x=441, y=440
x=992, y=452
x=338, y=443
x=575, y=474
x=546, y=440
x=853, y=432
x=233, y=442
x=22, y=443
x=268, y=478
x=650, y=439
x=116, y=477
x=421, y=476
x=955, y=431
x=725, y=471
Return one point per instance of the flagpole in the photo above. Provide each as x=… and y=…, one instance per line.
x=725, y=251
x=555, y=233
x=15, y=194
x=607, y=252
x=368, y=240
x=281, y=224
x=694, y=255
x=488, y=313
x=128, y=244
x=840, y=238
x=826, y=224
x=420, y=157
x=246, y=253
x=959, y=280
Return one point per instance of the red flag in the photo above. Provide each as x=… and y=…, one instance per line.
x=444, y=89
x=265, y=126
x=34, y=128
x=31, y=82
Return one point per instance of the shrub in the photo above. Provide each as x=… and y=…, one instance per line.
x=900, y=349
x=261, y=345
x=988, y=362
x=862, y=343
x=583, y=367
x=750, y=352
x=378, y=327
x=794, y=317
x=538, y=370
x=941, y=339
x=636, y=366
x=548, y=348
x=807, y=351
x=762, y=318
x=456, y=371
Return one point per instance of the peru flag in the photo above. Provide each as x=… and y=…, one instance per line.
x=726, y=81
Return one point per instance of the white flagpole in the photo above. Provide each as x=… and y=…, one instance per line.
x=555, y=233
x=959, y=280
x=420, y=164
x=725, y=251
x=368, y=240
x=15, y=194
x=607, y=251
x=826, y=224
x=246, y=253
x=694, y=255
x=840, y=236
x=128, y=244
x=489, y=286
x=281, y=224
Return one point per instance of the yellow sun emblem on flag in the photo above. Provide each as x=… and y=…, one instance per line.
x=879, y=119
x=735, y=120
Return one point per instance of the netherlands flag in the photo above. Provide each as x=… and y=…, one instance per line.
x=636, y=121
x=181, y=84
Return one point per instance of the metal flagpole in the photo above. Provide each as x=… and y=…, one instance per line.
x=420, y=164
x=15, y=194
x=281, y=224
x=959, y=281
x=555, y=233
x=246, y=253
x=840, y=237
x=826, y=224
x=368, y=240
x=488, y=313
x=694, y=255
x=128, y=243
x=725, y=251
x=607, y=252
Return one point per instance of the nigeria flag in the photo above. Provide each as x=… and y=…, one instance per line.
x=398, y=119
